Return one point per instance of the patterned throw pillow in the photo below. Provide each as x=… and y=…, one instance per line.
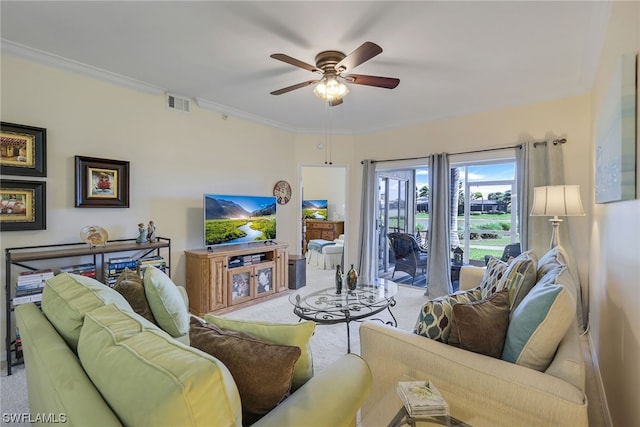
x=492, y=276
x=519, y=277
x=434, y=319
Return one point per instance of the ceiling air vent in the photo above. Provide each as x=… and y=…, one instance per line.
x=177, y=103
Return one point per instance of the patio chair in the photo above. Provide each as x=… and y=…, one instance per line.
x=511, y=250
x=407, y=255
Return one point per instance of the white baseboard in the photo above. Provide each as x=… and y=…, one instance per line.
x=596, y=369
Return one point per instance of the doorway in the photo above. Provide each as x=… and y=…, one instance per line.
x=327, y=182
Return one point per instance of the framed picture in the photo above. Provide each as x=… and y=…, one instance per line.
x=101, y=183
x=23, y=150
x=22, y=205
x=616, y=136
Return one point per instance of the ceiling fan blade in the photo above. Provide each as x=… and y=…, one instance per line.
x=294, y=87
x=362, y=54
x=295, y=62
x=361, y=79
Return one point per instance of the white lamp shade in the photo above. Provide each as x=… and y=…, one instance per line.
x=557, y=200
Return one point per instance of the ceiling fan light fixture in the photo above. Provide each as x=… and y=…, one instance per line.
x=330, y=89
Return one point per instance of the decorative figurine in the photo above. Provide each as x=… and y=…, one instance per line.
x=142, y=234
x=338, y=280
x=151, y=232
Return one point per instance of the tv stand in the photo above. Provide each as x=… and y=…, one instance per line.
x=228, y=277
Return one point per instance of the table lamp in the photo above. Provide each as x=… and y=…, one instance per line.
x=555, y=201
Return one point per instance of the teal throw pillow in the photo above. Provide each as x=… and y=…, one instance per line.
x=538, y=325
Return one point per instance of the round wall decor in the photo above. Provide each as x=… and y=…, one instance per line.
x=282, y=190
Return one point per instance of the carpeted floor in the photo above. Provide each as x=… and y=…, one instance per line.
x=328, y=343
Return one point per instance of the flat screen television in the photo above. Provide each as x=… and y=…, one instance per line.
x=314, y=209
x=238, y=219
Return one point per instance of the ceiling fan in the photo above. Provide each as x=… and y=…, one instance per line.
x=331, y=64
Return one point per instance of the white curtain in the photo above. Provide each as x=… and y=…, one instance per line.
x=367, y=263
x=539, y=164
x=439, y=261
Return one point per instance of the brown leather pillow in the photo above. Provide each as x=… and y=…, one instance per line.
x=262, y=371
x=481, y=326
x=131, y=287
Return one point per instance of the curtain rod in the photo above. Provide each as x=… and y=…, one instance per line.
x=535, y=144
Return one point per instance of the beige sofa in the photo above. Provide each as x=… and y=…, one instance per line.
x=92, y=361
x=480, y=390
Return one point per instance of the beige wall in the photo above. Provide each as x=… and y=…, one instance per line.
x=614, y=250
x=566, y=118
x=175, y=157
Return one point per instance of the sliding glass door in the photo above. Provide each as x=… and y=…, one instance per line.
x=396, y=204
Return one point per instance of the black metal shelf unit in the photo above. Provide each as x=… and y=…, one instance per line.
x=20, y=256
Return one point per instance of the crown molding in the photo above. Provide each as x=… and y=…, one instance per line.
x=223, y=109
x=16, y=49
x=9, y=47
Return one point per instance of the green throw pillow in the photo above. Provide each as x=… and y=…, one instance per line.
x=166, y=302
x=149, y=378
x=68, y=297
x=434, y=319
x=295, y=334
x=261, y=370
x=538, y=325
x=131, y=287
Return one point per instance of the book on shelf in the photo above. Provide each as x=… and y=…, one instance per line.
x=26, y=278
x=27, y=299
x=31, y=291
x=43, y=273
x=79, y=268
x=30, y=286
x=422, y=398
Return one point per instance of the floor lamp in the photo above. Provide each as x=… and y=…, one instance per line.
x=555, y=201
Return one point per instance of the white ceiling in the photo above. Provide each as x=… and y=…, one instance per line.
x=452, y=58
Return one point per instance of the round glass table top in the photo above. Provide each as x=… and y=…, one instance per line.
x=327, y=306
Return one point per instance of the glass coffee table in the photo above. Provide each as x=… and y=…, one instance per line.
x=326, y=307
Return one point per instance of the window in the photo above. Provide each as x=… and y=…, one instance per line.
x=487, y=214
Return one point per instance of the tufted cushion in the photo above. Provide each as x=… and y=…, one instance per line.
x=296, y=334
x=481, y=326
x=434, y=319
x=150, y=379
x=131, y=287
x=492, y=275
x=538, y=325
x=262, y=371
x=166, y=302
x=68, y=297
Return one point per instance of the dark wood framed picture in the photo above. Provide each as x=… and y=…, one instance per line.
x=23, y=205
x=23, y=150
x=101, y=183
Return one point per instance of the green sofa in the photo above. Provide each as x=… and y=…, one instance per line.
x=91, y=360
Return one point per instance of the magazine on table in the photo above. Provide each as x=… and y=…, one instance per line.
x=422, y=398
